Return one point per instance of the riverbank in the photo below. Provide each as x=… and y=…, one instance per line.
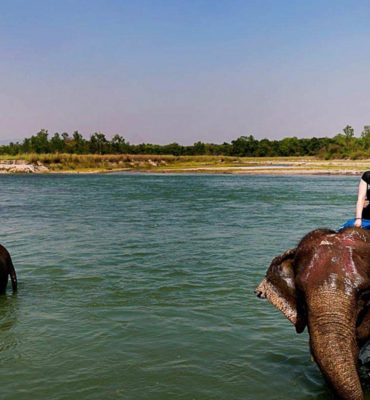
x=92, y=163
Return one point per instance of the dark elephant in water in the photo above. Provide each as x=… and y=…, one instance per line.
x=6, y=268
x=324, y=283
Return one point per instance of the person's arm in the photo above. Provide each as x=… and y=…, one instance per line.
x=362, y=189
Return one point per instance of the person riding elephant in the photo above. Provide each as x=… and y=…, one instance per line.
x=324, y=284
x=362, y=218
x=362, y=207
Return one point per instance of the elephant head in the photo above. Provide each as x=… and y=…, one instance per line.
x=6, y=269
x=324, y=283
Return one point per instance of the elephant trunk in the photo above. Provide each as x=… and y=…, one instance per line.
x=332, y=328
x=13, y=275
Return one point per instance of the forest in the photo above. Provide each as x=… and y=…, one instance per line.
x=343, y=145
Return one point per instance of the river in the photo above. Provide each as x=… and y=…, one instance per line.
x=140, y=286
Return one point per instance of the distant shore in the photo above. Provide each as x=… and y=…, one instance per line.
x=91, y=163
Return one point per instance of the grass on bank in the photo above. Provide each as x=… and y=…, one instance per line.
x=107, y=162
x=169, y=163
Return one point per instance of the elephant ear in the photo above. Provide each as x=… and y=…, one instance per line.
x=280, y=290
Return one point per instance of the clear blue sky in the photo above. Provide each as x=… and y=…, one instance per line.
x=161, y=71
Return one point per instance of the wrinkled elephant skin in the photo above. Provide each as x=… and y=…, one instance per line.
x=324, y=284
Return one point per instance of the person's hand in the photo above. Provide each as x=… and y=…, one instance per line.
x=358, y=223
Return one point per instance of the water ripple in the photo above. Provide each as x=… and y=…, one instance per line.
x=141, y=286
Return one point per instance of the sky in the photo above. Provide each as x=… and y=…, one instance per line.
x=163, y=71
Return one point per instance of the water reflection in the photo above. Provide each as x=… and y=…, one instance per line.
x=8, y=319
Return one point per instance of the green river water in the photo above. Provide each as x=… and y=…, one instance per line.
x=138, y=286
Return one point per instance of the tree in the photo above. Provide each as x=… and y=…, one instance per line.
x=349, y=132
x=57, y=143
x=345, y=142
x=97, y=143
x=119, y=144
x=78, y=143
x=199, y=148
x=264, y=148
x=173, y=148
x=365, y=137
x=289, y=146
x=244, y=146
x=39, y=143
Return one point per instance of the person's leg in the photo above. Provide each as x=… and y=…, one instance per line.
x=350, y=223
x=365, y=223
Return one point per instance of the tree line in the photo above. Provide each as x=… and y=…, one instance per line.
x=343, y=145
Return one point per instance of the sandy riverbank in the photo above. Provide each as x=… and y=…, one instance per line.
x=73, y=164
x=21, y=167
x=281, y=166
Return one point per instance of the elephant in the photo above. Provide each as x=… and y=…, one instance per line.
x=324, y=284
x=6, y=268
